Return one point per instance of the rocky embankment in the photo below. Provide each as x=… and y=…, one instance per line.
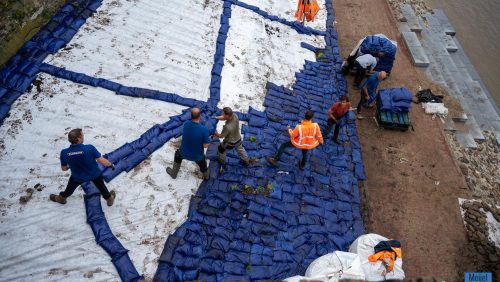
x=20, y=20
x=419, y=6
x=480, y=168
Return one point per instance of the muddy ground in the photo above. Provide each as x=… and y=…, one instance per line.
x=413, y=181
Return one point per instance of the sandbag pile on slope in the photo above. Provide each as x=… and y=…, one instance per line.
x=373, y=44
x=258, y=223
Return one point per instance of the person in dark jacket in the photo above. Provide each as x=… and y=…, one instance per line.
x=82, y=160
x=195, y=139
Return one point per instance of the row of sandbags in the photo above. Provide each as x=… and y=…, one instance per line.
x=338, y=266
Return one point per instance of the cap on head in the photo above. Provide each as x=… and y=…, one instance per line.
x=195, y=113
x=74, y=135
x=309, y=115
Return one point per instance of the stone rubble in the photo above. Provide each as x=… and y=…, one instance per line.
x=480, y=169
x=419, y=6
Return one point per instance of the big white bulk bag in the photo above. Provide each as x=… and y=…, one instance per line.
x=375, y=271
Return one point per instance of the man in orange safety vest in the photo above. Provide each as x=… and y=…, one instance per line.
x=305, y=136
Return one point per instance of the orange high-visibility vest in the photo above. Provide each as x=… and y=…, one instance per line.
x=306, y=9
x=306, y=135
x=387, y=257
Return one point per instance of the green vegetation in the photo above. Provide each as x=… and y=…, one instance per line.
x=46, y=13
x=18, y=15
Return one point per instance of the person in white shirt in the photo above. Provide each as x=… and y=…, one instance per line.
x=365, y=64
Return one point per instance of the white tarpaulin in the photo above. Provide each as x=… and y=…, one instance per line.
x=332, y=268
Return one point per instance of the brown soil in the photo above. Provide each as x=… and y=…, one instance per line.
x=413, y=183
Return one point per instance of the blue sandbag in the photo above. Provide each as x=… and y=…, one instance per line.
x=3, y=92
x=135, y=159
x=77, y=23
x=126, y=269
x=107, y=84
x=101, y=229
x=120, y=153
x=9, y=97
x=113, y=247
x=93, y=208
x=94, y=5
x=55, y=45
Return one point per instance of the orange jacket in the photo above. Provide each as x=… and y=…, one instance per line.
x=387, y=257
x=306, y=135
x=306, y=9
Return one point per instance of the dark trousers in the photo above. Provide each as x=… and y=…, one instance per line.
x=288, y=145
x=98, y=182
x=362, y=101
x=360, y=74
x=348, y=65
x=201, y=163
x=329, y=126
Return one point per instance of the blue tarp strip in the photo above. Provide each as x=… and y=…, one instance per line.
x=119, y=88
x=220, y=51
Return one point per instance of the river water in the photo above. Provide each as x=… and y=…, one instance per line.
x=477, y=23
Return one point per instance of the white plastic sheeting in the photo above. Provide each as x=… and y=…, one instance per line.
x=333, y=267
x=435, y=108
x=375, y=271
x=336, y=266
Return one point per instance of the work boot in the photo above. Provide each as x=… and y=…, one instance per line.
x=174, y=170
x=111, y=198
x=57, y=198
x=206, y=175
x=272, y=161
x=250, y=162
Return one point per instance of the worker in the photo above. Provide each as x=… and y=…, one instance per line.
x=370, y=90
x=232, y=137
x=195, y=139
x=305, y=136
x=365, y=64
x=82, y=161
x=335, y=113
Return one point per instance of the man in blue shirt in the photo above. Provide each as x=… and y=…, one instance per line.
x=195, y=140
x=370, y=90
x=82, y=161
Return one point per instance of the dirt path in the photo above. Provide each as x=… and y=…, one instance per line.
x=413, y=181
